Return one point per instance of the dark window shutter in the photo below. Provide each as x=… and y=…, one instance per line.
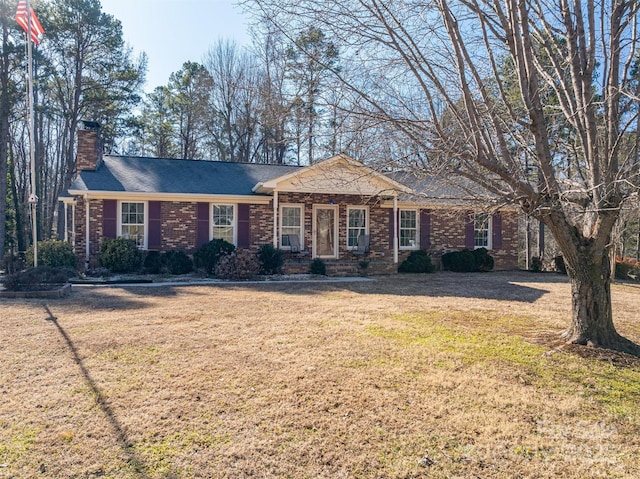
x=243, y=226
x=202, y=230
x=496, y=219
x=425, y=229
x=469, y=232
x=155, y=225
x=109, y=218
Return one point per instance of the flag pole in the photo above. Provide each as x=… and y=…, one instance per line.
x=33, y=199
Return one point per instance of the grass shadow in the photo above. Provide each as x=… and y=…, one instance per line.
x=132, y=458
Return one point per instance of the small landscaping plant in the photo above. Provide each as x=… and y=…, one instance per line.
x=54, y=253
x=459, y=261
x=484, y=261
x=318, y=266
x=239, y=264
x=153, y=262
x=627, y=268
x=208, y=255
x=42, y=277
x=467, y=261
x=177, y=262
x=120, y=255
x=418, y=261
x=271, y=259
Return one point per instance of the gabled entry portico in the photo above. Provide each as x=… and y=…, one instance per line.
x=329, y=204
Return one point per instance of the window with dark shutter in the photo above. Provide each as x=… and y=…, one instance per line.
x=155, y=225
x=244, y=226
x=202, y=230
x=109, y=218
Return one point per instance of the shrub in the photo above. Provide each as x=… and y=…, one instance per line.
x=484, y=261
x=536, y=264
x=208, y=255
x=240, y=264
x=12, y=263
x=153, y=262
x=459, y=261
x=418, y=261
x=560, y=266
x=54, y=253
x=271, y=259
x=626, y=268
x=177, y=262
x=120, y=255
x=318, y=266
x=37, y=278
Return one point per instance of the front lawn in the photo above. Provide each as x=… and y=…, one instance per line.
x=411, y=376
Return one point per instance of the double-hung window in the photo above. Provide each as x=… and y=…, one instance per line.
x=482, y=230
x=408, y=229
x=223, y=223
x=357, y=225
x=291, y=222
x=132, y=221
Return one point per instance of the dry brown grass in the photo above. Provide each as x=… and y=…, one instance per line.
x=403, y=377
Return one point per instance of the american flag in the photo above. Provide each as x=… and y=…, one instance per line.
x=23, y=18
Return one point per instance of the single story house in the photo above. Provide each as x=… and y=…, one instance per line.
x=171, y=204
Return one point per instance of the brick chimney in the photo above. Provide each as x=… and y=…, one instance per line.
x=89, y=154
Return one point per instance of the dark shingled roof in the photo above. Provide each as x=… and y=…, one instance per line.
x=162, y=175
x=439, y=189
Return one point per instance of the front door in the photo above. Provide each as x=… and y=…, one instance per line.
x=325, y=231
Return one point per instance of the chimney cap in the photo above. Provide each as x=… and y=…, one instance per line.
x=90, y=125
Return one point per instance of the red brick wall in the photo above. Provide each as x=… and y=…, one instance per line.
x=179, y=226
x=89, y=153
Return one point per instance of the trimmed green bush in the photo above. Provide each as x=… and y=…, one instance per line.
x=54, y=253
x=208, y=255
x=418, y=261
x=37, y=278
x=318, y=266
x=271, y=259
x=459, y=261
x=153, y=262
x=120, y=255
x=484, y=261
x=177, y=262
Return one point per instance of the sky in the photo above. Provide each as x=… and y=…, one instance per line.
x=172, y=32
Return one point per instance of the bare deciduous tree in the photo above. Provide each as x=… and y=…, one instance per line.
x=532, y=99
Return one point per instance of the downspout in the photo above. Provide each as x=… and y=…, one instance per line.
x=395, y=229
x=86, y=232
x=275, y=218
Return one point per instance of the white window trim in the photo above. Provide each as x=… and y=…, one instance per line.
x=300, y=206
x=366, y=223
x=146, y=221
x=416, y=246
x=235, y=220
x=489, y=232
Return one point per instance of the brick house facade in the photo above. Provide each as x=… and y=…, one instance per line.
x=181, y=204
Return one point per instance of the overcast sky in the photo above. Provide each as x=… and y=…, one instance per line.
x=172, y=32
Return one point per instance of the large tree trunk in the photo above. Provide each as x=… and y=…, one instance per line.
x=592, y=316
x=588, y=263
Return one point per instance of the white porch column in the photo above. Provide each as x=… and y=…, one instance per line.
x=395, y=229
x=66, y=221
x=87, y=250
x=73, y=225
x=275, y=218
